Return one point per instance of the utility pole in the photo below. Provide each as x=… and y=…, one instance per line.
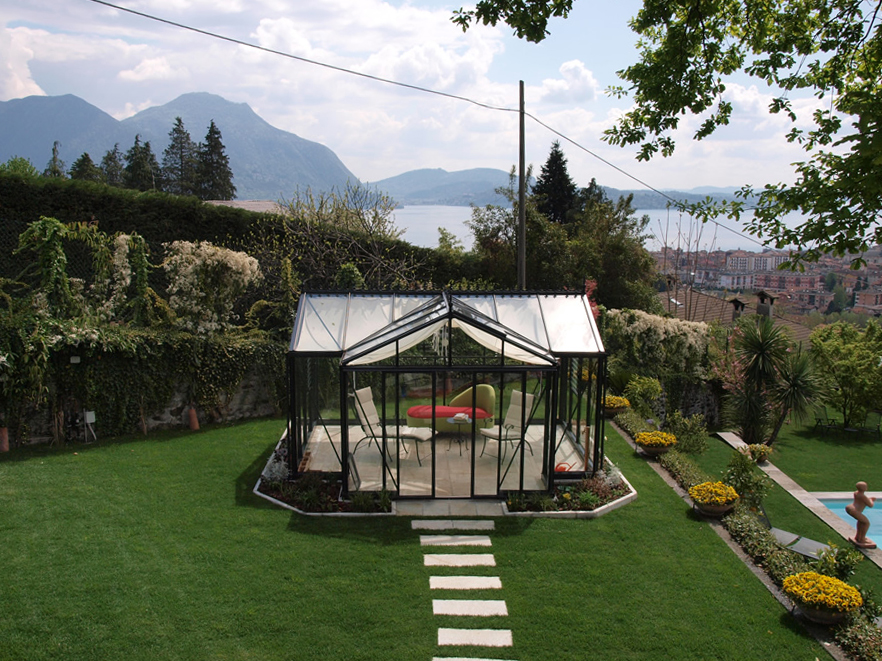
x=522, y=206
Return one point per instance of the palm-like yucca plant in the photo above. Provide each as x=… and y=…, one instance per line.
x=775, y=382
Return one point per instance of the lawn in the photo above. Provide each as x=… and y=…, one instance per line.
x=156, y=549
x=831, y=461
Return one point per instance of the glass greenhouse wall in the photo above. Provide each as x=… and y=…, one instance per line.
x=441, y=395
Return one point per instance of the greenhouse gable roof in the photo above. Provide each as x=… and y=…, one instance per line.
x=367, y=327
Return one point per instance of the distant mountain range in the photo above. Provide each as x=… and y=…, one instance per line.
x=267, y=163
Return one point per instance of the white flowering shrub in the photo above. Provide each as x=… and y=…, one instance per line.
x=115, y=289
x=658, y=345
x=204, y=283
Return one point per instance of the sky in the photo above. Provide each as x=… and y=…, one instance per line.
x=123, y=63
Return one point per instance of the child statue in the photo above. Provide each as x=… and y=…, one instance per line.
x=856, y=510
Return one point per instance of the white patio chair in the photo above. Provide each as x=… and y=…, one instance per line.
x=510, y=430
x=369, y=419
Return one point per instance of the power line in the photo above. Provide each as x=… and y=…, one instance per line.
x=416, y=88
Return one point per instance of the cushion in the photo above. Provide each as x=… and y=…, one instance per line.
x=425, y=411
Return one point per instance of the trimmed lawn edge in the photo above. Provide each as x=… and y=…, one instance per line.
x=820, y=633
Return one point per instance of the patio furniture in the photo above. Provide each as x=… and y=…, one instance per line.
x=823, y=421
x=511, y=429
x=485, y=404
x=373, y=430
x=873, y=423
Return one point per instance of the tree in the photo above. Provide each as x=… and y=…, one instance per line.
x=55, y=167
x=831, y=47
x=215, y=178
x=85, y=169
x=179, y=162
x=555, y=191
x=142, y=171
x=20, y=166
x=850, y=360
x=766, y=380
x=113, y=168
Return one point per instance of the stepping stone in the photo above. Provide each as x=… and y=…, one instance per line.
x=455, y=540
x=478, y=637
x=450, y=524
x=459, y=560
x=465, y=583
x=469, y=607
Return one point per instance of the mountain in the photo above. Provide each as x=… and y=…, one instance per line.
x=464, y=187
x=267, y=163
x=440, y=187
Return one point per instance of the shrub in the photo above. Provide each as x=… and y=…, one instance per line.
x=642, y=392
x=683, y=469
x=819, y=591
x=838, y=562
x=861, y=639
x=743, y=475
x=631, y=422
x=759, y=543
x=713, y=493
x=691, y=432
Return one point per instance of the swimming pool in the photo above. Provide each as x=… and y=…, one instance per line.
x=874, y=514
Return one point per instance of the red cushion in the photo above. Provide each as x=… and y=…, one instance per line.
x=425, y=411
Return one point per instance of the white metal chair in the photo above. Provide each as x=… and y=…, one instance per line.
x=371, y=427
x=510, y=430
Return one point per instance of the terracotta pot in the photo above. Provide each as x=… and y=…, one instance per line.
x=194, y=419
x=713, y=510
x=823, y=615
x=653, y=451
x=4, y=439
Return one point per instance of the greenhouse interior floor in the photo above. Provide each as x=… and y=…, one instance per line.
x=454, y=454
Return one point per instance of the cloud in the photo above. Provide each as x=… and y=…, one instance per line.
x=15, y=75
x=576, y=85
x=154, y=68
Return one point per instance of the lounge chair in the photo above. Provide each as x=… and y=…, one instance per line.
x=793, y=542
x=373, y=430
x=823, y=421
x=513, y=427
x=484, y=398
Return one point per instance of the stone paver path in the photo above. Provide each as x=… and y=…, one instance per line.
x=449, y=636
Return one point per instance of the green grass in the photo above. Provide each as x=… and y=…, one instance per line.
x=817, y=462
x=156, y=549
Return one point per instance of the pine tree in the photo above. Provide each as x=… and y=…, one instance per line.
x=180, y=161
x=85, y=169
x=112, y=167
x=215, y=176
x=554, y=191
x=142, y=169
x=55, y=166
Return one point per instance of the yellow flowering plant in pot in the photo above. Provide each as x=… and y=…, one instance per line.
x=613, y=405
x=713, y=498
x=822, y=599
x=655, y=442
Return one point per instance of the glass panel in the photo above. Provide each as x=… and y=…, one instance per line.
x=570, y=324
x=320, y=323
x=522, y=315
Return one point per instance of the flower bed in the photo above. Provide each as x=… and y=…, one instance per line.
x=655, y=439
x=713, y=493
x=815, y=590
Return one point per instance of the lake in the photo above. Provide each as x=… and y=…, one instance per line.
x=421, y=223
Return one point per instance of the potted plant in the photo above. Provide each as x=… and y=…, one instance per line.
x=822, y=599
x=613, y=405
x=713, y=498
x=759, y=452
x=655, y=442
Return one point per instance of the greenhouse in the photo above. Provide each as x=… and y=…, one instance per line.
x=446, y=394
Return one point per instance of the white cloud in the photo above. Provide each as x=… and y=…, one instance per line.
x=15, y=75
x=576, y=85
x=154, y=68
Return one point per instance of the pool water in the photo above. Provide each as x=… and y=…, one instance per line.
x=874, y=514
